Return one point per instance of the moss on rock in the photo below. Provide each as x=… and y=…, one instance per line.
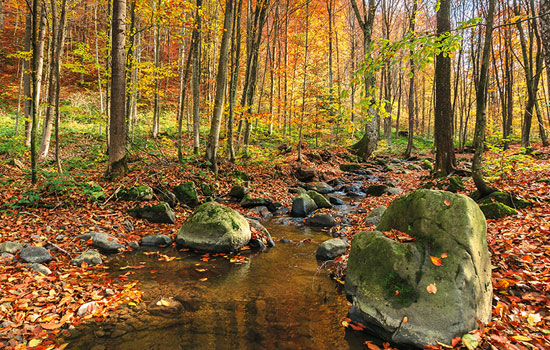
x=497, y=210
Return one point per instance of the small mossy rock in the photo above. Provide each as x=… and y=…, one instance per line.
x=427, y=165
x=160, y=213
x=10, y=247
x=248, y=202
x=297, y=190
x=166, y=196
x=497, y=210
x=321, y=220
x=441, y=222
x=394, y=191
x=34, y=254
x=505, y=198
x=138, y=193
x=374, y=216
x=376, y=190
x=350, y=167
x=455, y=184
x=208, y=189
x=103, y=241
x=186, y=193
x=214, y=228
x=544, y=181
x=90, y=257
x=156, y=241
x=320, y=200
x=305, y=174
x=241, y=175
x=331, y=249
x=302, y=205
x=238, y=192
x=322, y=188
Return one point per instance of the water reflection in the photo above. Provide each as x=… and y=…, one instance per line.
x=277, y=300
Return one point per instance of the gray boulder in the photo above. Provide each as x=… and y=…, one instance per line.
x=321, y=220
x=10, y=247
x=90, y=257
x=160, y=213
x=103, y=241
x=302, y=205
x=137, y=193
x=186, y=193
x=35, y=255
x=336, y=201
x=329, y=250
x=387, y=280
x=320, y=200
x=156, y=241
x=214, y=228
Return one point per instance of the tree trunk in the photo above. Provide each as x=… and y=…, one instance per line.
x=34, y=101
x=117, y=126
x=481, y=105
x=410, y=104
x=196, y=79
x=366, y=146
x=235, y=65
x=545, y=35
x=445, y=157
x=156, y=106
x=221, y=82
x=303, y=112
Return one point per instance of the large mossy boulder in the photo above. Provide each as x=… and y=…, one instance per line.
x=320, y=200
x=186, y=193
x=388, y=280
x=137, y=193
x=302, y=205
x=214, y=228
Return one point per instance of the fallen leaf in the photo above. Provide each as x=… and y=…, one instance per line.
x=436, y=261
x=521, y=338
x=405, y=320
x=203, y=279
x=447, y=203
x=431, y=288
x=470, y=341
x=34, y=342
x=444, y=256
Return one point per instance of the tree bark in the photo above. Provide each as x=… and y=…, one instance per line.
x=196, y=76
x=481, y=106
x=445, y=157
x=304, y=85
x=221, y=84
x=410, y=104
x=235, y=65
x=117, y=126
x=366, y=146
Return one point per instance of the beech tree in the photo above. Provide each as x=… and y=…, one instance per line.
x=445, y=156
x=117, y=165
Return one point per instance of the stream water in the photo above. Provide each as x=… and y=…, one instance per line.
x=278, y=299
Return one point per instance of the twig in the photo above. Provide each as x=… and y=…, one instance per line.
x=111, y=196
x=59, y=248
x=26, y=212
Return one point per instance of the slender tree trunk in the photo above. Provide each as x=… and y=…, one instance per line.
x=481, y=105
x=117, y=126
x=27, y=98
x=221, y=84
x=545, y=35
x=445, y=157
x=410, y=104
x=303, y=112
x=196, y=79
x=59, y=46
x=235, y=64
x=40, y=31
x=35, y=94
x=156, y=106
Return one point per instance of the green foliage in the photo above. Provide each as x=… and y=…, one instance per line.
x=9, y=143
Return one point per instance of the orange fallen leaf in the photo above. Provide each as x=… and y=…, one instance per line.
x=432, y=289
x=405, y=320
x=444, y=256
x=447, y=203
x=436, y=261
x=203, y=279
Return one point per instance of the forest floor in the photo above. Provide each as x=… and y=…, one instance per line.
x=36, y=309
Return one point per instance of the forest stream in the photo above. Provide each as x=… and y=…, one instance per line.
x=276, y=299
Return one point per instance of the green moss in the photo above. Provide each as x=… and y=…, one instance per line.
x=399, y=291
x=427, y=165
x=136, y=193
x=350, y=167
x=186, y=193
x=506, y=199
x=497, y=210
x=319, y=199
x=455, y=184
